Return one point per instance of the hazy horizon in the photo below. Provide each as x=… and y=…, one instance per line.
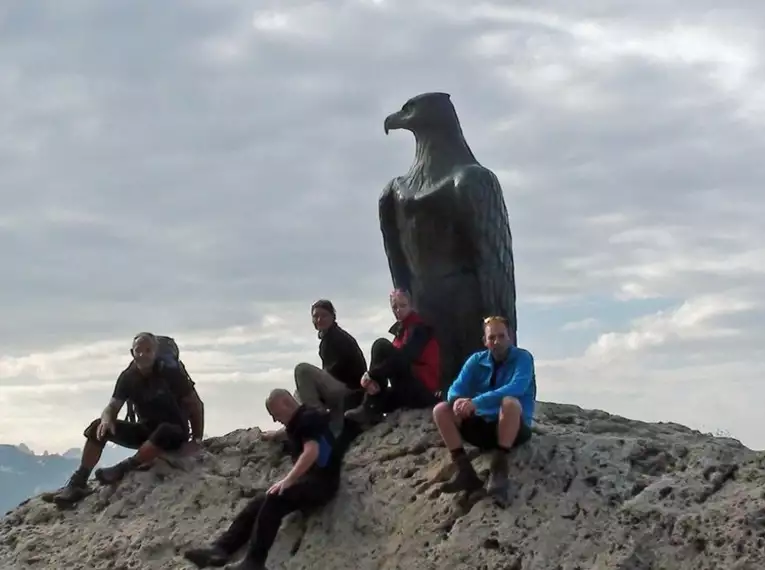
x=208, y=169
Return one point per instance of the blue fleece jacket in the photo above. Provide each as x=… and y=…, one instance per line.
x=515, y=378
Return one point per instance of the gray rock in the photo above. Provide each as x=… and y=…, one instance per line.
x=591, y=491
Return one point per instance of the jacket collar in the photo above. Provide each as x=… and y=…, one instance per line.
x=486, y=360
x=332, y=327
x=399, y=326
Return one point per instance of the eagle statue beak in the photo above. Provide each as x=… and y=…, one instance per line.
x=393, y=121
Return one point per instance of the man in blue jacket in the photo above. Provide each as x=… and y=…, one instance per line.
x=491, y=406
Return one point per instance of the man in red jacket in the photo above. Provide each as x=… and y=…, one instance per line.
x=404, y=373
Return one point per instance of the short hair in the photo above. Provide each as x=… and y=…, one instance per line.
x=403, y=292
x=325, y=304
x=497, y=319
x=276, y=394
x=151, y=337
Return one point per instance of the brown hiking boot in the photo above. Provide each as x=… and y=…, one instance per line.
x=75, y=490
x=466, y=479
x=499, y=481
x=368, y=413
x=115, y=473
x=203, y=557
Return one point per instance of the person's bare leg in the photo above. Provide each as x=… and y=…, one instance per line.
x=507, y=431
x=509, y=422
x=466, y=479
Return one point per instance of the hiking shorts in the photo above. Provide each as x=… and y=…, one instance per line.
x=166, y=436
x=482, y=432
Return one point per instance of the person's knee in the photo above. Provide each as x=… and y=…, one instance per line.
x=511, y=407
x=381, y=348
x=91, y=432
x=168, y=437
x=442, y=411
x=304, y=372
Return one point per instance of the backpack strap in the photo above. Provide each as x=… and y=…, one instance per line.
x=130, y=416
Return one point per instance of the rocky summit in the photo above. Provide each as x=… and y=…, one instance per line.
x=591, y=491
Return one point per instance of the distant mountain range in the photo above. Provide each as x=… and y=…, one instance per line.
x=24, y=474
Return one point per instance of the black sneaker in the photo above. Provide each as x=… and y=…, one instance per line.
x=204, y=557
x=367, y=414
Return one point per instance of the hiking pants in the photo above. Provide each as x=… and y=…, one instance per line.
x=402, y=389
x=319, y=389
x=166, y=436
x=260, y=520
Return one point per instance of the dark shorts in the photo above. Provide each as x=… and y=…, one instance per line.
x=482, y=433
x=166, y=436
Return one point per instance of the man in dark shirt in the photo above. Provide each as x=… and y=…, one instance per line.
x=334, y=386
x=312, y=482
x=165, y=402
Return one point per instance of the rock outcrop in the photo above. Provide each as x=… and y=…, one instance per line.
x=592, y=491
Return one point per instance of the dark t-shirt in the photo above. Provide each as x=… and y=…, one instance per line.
x=310, y=424
x=157, y=397
x=342, y=357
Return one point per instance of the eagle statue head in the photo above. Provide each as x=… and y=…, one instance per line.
x=427, y=112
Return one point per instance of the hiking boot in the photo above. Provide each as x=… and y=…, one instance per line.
x=499, y=481
x=466, y=479
x=115, y=473
x=368, y=413
x=75, y=490
x=203, y=557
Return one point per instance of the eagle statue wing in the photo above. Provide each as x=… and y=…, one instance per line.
x=487, y=226
x=399, y=268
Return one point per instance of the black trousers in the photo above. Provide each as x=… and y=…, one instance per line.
x=166, y=436
x=260, y=520
x=402, y=389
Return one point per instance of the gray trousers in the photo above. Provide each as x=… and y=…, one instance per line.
x=317, y=388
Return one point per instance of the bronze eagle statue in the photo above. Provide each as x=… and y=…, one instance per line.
x=446, y=232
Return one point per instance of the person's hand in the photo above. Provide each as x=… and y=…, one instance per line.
x=368, y=384
x=272, y=435
x=463, y=407
x=279, y=487
x=105, y=427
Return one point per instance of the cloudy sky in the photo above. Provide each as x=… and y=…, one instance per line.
x=207, y=169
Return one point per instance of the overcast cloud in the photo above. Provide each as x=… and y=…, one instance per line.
x=207, y=169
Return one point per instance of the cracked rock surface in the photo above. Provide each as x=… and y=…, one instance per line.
x=591, y=491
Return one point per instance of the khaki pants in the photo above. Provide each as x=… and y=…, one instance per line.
x=319, y=389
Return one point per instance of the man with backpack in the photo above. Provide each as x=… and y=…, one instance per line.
x=163, y=410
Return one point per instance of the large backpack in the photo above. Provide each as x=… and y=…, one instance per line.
x=169, y=354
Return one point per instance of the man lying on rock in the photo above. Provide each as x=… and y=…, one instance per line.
x=312, y=482
x=334, y=386
x=491, y=406
x=404, y=373
x=165, y=402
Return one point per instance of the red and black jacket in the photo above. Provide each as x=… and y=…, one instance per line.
x=417, y=347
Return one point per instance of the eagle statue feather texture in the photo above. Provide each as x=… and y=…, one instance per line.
x=446, y=232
